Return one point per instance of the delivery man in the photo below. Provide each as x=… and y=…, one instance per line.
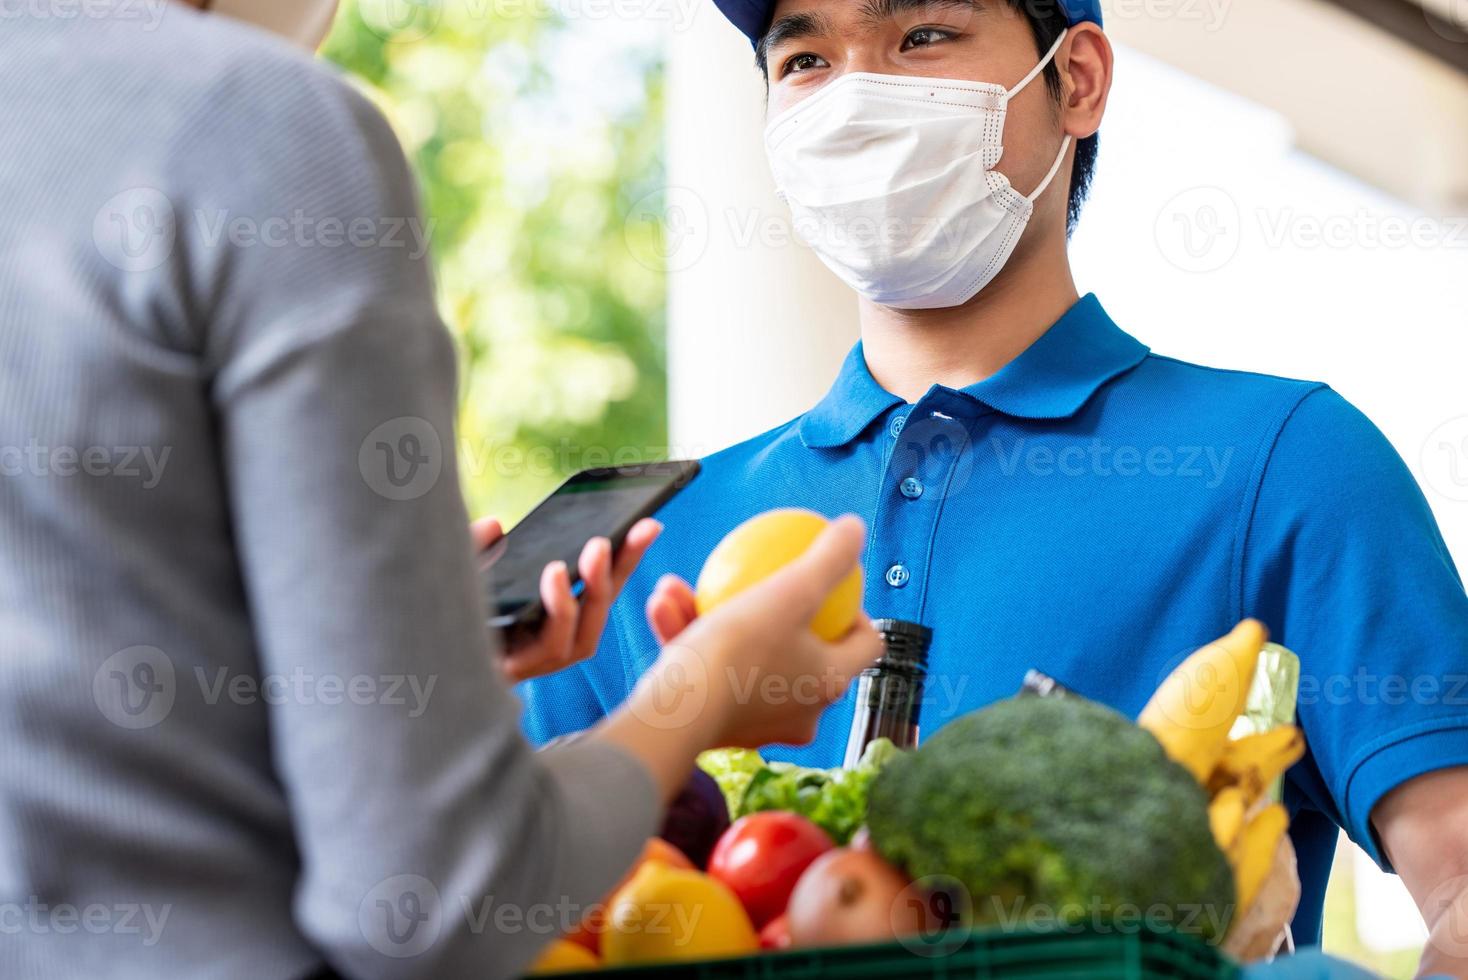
x=1041, y=489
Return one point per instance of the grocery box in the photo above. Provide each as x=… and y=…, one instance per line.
x=993, y=955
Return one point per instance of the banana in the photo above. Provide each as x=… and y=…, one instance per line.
x=1226, y=816
x=1193, y=710
x=1253, y=852
x=1254, y=762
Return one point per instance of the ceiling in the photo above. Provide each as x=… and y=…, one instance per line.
x=1378, y=88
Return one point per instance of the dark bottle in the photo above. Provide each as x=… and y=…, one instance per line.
x=889, y=694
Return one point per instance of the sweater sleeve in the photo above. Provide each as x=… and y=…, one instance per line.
x=433, y=841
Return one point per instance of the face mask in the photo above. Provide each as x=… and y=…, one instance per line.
x=302, y=22
x=891, y=180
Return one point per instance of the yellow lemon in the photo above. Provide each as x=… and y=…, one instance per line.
x=762, y=546
x=668, y=913
x=562, y=956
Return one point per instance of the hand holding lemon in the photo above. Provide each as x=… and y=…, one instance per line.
x=749, y=554
x=775, y=629
x=742, y=664
x=763, y=545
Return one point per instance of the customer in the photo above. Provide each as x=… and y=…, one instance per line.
x=253, y=725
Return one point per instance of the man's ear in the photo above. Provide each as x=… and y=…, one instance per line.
x=1085, y=75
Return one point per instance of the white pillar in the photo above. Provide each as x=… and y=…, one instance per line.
x=757, y=327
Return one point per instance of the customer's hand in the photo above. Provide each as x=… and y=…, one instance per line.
x=572, y=627
x=750, y=672
x=762, y=672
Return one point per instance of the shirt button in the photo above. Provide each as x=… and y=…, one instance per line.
x=911, y=488
x=895, y=426
x=897, y=576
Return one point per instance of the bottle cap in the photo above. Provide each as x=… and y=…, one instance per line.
x=907, y=643
x=1040, y=684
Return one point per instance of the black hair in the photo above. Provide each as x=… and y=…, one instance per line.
x=1048, y=21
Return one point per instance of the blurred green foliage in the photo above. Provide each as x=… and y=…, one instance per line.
x=534, y=137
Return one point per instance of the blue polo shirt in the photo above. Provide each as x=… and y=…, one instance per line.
x=1098, y=511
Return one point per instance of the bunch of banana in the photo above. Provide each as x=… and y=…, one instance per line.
x=1192, y=715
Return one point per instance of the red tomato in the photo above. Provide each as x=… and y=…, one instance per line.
x=762, y=856
x=775, y=935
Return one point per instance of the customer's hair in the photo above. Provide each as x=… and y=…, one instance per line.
x=1047, y=20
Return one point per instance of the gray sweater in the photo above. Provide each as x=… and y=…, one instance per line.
x=249, y=718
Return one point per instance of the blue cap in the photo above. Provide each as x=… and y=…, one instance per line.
x=753, y=16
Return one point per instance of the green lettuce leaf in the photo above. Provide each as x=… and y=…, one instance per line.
x=833, y=799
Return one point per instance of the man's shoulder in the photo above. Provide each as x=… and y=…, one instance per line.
x=1294, y=424
x=1219, y=399
x=1229, y=384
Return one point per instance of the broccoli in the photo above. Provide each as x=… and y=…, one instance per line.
x=1056, y=811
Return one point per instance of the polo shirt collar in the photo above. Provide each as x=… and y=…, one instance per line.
x=1052, y=379
x=848, y=408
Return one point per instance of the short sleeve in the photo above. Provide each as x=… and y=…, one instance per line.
x=1345, y=563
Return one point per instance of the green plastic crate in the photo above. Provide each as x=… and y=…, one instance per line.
x=997, y=955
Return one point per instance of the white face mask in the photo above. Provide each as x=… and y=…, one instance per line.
x=302, y=22
x=891, y=180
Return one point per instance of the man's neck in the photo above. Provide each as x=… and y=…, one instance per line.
x=909, y=351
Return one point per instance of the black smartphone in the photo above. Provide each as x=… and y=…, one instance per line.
x=593, y=503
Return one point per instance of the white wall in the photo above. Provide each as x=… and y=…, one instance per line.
x=1371, y=104
x=757, y=327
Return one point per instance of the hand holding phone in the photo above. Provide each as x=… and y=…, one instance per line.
x=571, y=627
x=534, y=575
